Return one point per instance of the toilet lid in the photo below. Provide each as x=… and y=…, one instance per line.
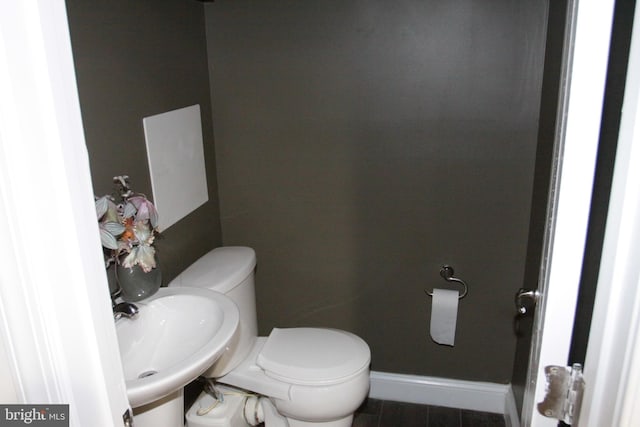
x=313, y=355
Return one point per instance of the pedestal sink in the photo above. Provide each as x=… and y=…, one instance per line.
x=177, y=334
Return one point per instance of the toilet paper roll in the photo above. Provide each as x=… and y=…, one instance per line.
x=444, y=314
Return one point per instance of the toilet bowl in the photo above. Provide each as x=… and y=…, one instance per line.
x=302, y=377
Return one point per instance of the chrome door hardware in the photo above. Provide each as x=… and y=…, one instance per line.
x=563, y=398
x=127, y=418
x=446, y=272
x=526, y=299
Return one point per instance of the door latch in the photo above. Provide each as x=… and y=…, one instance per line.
x=526, y=300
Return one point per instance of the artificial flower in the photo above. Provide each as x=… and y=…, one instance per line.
x=127, y=229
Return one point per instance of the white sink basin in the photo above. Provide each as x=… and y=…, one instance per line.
x=177, y=334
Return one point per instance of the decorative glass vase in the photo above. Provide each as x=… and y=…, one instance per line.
x=136, y=284
x=111, y=279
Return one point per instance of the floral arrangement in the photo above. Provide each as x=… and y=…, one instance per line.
x=128, y=226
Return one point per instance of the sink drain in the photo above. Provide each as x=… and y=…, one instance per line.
x=147, y=374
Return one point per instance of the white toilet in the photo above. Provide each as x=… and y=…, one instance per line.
x=304, y=376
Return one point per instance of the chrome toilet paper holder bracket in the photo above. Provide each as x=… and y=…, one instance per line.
x=447, y=274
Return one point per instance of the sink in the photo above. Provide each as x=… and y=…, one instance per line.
x=177, y=334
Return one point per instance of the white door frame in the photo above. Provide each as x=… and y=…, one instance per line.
x=612, y=365
x=56, y=323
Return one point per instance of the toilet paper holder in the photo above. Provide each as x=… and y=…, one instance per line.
x=447, y=274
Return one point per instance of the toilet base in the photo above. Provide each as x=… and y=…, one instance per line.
x=230, y=413
x=226, y=414
x=343, y=422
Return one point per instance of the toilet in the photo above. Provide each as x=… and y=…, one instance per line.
x=295, y=377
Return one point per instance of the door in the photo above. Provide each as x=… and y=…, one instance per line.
x=56, y=326
x=581, y=94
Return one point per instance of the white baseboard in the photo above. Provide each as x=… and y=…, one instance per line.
x=511, y=410
x=472, y=395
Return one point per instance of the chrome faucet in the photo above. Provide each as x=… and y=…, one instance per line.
x=124, y=309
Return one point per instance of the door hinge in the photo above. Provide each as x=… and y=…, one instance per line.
x=127, y=418
x=564, y=391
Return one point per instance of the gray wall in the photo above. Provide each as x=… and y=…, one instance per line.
x=360, y=145
x=135, y=59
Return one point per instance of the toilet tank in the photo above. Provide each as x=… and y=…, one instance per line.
x=228, y=270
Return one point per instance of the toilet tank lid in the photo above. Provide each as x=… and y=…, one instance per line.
x=221, y=269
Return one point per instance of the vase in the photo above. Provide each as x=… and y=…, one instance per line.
x=136, y=284
x=111, y=279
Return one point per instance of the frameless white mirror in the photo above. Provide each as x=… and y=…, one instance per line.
x=176, y=163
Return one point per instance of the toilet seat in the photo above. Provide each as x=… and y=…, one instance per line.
x=313, y=356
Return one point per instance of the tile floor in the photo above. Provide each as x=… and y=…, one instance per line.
x=383, y=413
